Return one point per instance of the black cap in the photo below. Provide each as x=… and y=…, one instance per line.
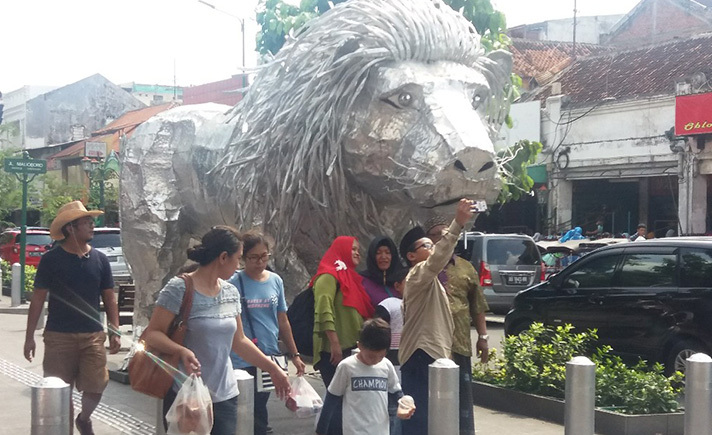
x=409, y=239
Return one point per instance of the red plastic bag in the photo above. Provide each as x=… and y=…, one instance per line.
x=192, y=411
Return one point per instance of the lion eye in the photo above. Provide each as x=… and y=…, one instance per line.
x=405, y=99
x=400, y=99
x=476, y=101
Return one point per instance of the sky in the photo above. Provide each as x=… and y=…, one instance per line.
x=57, y=42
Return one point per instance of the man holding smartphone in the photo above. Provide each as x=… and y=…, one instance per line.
x=428, y=326
x=467, y=305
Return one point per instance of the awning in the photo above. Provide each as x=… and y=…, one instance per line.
x=637, y=170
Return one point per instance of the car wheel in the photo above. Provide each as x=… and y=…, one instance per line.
x=679, y=353
x=519, y=327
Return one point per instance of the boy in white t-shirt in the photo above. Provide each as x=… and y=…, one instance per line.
x=363, y=385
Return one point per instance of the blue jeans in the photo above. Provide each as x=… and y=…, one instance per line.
x=224, y=414
x=467, y=415
x=415, y=383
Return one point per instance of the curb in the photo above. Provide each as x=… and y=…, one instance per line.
x=499, y=320
x=15, y=310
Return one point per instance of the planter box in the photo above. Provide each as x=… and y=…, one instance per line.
x=547, y=408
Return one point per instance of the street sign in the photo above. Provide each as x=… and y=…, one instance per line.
x=95, y=149
x=22, y=168
x=25, y=166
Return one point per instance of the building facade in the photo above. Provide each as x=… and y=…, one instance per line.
x=15, y=113
x=610, y=147
x=73, y=111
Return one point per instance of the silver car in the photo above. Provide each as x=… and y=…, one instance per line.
x=108, y=241
x=506, y=264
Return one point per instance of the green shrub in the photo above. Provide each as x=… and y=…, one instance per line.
x=30, y=272
x=535, y=362
x=641, y=389
x=6, y=272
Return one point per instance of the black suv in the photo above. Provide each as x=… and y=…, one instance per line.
x=650, y=299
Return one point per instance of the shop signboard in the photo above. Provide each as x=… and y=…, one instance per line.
x=693, y=114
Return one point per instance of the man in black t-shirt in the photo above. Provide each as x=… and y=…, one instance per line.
x=75, y=276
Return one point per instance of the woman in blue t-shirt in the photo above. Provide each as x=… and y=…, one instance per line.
x=214, y=328
x=264, y=315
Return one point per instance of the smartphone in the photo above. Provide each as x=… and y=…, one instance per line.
x=479, y=207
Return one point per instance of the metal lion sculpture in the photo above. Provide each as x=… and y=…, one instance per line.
x=377, y=114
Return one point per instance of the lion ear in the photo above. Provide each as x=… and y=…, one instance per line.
x=348, y=47
x=503, y=59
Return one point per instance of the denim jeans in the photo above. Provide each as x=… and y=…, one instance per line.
x=224, y=414
x=395, y=422
x=467, y=415
x=415, y=383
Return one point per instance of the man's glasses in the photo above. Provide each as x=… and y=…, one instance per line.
x=256, y=258
x=426, y=245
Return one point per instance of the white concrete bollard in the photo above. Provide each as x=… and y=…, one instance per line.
x=245, y=403
x=698, y=395
x=580, y=396
x=443, y=397
x=16, y=290
x=51, y=402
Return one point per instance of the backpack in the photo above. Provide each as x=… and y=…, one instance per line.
x=301, y=318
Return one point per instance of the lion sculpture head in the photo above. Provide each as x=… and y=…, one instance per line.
x=378, y=108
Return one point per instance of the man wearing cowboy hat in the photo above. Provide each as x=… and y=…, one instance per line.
x=75, y=276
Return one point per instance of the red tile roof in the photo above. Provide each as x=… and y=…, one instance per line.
x=626, y=75
x=134, y=118
x=541, y=60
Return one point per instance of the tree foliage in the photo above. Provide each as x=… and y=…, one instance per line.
x=278, y=19
x=514, y=161
x=45, y=193
x=54, y=194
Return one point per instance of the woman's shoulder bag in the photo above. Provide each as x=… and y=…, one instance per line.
x=152, y=372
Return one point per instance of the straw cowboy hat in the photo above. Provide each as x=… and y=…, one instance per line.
x=68, y=213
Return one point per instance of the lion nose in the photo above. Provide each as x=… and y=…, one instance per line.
x=461, y=166
x=474, y=162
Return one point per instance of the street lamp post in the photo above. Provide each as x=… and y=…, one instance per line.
x=242, y=29
x=97, y=172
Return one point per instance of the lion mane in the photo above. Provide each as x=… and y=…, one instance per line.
x=284, y=159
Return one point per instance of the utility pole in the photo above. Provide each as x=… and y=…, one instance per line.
x=574, y=44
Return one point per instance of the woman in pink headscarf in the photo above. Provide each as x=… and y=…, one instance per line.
x=340, y=305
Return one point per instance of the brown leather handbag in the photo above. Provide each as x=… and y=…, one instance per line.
x=152, y=372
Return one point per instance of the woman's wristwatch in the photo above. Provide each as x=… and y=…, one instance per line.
x=293, y=355
x=484, y=337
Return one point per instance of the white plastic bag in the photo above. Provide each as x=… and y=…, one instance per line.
x=192, y=411
x=303, y=399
